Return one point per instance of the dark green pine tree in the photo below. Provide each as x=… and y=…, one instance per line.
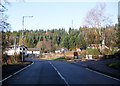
x=118, y=32
x=71, y=42
x=65, y=43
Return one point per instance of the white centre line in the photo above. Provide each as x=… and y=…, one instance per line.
x=103, y=74
x=59, y=74
x=16, y=73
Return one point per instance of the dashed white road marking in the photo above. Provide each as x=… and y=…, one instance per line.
x=60, y=74
x=103, y=74
x=16, y=72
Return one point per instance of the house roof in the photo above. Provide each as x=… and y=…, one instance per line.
x=23, y=46
x=11, y=46
x=94, y=45
x=34, y=49
x=6, y=49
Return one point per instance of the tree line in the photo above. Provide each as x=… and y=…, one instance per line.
x=96, y=28
x=51, y=40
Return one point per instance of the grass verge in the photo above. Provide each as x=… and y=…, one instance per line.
x=69, y=59
x=12, y=68
x=115, y=64
x=49, y=58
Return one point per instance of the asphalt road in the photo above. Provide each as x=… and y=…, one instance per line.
x=58, y=72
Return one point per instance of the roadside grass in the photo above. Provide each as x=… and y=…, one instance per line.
x=49, y=58
x=61, y=58
x=115, y=64
x=12, y=63
x=12, y=68
x=69, y=59
x=56, y=58
x=92, y=59
x=77, y=59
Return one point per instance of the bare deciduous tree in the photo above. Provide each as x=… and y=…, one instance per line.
x=96, y=17
x=3, y=17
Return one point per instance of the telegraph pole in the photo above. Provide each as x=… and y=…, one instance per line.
x=23, y=34
x=72, y=23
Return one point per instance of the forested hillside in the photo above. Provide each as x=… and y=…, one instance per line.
x=51, y=40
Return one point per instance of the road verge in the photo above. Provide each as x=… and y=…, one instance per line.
x=11, y=70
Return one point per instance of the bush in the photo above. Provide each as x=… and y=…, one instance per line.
x=93, y=52
x=106, y=51
x=10, y=59
x=114, y=51
x=82, y=53
x=110, y=52
x=5, y=57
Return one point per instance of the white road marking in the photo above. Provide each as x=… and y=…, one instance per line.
x=103, y=74
x=16, y=72
x=59, y=74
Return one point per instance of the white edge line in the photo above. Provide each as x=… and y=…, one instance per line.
x=16, y=72
x=60, y=74
x=103, y=74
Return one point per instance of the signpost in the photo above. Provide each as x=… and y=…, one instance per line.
x=75, y=55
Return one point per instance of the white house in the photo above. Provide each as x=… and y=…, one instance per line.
x=79, y=50
x=89, y=57
x=57, y=51
x=64, y=49
x=61, y=50
x=15, y=49
x=35, y=51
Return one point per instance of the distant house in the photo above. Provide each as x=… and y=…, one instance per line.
x=57, y=51
x=15, y=49
x=61, y=50
x=79, y=49
x=94, y=46
x=89, y=57
x=64, y=50
x=35, y=51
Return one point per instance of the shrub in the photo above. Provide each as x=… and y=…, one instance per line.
x=82, y=53
x=114, y=51
x=110, y=52
x=91, y=51
x=10, y=59
x=106, y=51
x=5, y=57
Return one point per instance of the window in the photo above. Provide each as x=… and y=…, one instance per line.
x=23, y=48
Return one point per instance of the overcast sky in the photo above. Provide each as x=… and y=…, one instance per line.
x=49, y=15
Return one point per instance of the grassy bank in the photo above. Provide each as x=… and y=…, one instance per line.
x=49, y=58
x=115, y=64
x=68, y=59
x=12, y=68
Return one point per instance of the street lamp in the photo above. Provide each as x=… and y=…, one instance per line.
x=23, y=33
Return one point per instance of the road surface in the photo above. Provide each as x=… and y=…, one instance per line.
x=58, y=72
